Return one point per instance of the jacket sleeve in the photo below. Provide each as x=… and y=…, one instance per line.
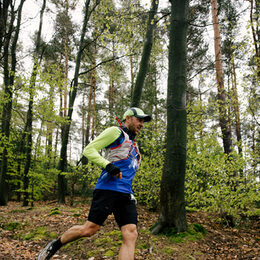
x=92, y=150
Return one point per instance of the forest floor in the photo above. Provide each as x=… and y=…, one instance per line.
x=24, y=231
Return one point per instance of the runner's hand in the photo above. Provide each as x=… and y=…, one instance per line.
x=114, y=170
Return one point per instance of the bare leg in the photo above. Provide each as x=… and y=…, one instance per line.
x=76, y=232
x=127, y=249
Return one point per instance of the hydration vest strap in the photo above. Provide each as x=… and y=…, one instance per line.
x=119, y=122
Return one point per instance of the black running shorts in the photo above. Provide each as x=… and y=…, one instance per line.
x=106, y=202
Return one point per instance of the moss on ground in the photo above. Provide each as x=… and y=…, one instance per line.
x=55, y=211
x=143, y=245
x=11, y=226
x=39, y=233
x=92, y=253
x=169, y=250
x=111, y=252
x=102, y=241
x=114, y=233
x=193, y=233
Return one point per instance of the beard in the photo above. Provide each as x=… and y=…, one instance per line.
x=130, y=131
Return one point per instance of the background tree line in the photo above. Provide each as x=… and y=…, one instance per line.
x=115, y=56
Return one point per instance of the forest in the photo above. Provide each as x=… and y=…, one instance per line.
x=69, y=68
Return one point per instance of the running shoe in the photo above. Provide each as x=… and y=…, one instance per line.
x=47, y=252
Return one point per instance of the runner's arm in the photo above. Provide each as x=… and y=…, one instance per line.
x=106, y=138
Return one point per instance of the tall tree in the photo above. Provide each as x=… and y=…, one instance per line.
x=148, y=43
x=72, y=96
x=226, y=135
x=29, y=119
x=229, y=9
x=61, y=42
x=10, y=44
x=172, y=212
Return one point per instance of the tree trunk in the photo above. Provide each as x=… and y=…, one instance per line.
x=229, y=98
x=91, y=102
x=9, y=74
x=111, y=86
x=226, y=135
x=49, y=132
x=131, y=75
x=236, y=102
x=66, y=52
x=172, y=212
x=143, y=68
x=29, y=119
x=254, y=21
x=4, y=5
x=94, y=93
x=83, y=118
x=6, y=115
x=28, y=146
x=90, y=94
x=72, y=95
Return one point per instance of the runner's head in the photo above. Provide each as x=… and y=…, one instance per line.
x=134, y=119
x=137, y=112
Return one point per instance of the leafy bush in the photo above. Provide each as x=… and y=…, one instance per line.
x=217, y=183
x=146, y=184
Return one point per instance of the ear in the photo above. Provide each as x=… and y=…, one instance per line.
x=127, y=118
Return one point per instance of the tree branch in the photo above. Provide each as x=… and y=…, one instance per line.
x=103, y=62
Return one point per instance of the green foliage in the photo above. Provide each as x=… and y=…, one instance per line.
x=88, y=179
x=214, y=181
x=42, y=182
x=146, y=184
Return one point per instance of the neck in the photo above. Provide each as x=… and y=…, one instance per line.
x=129, y=132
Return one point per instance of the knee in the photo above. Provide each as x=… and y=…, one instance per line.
x=130, y=234
x=88, y=230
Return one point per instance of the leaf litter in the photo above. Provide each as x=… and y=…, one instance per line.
x=25, y=231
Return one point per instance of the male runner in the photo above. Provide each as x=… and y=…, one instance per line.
x=113, y=191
